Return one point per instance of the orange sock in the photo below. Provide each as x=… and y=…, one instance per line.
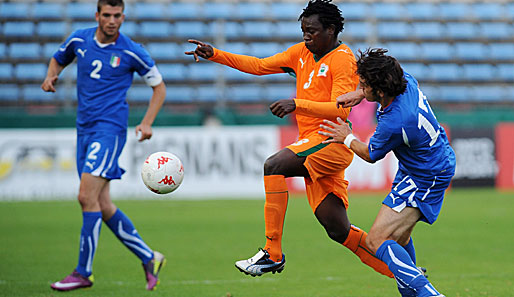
x=356, y=242
x=274, y=214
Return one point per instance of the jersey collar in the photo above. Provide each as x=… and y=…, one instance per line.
x=102, y=45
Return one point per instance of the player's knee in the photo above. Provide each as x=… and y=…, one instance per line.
x=271, y=166
x=374, y=242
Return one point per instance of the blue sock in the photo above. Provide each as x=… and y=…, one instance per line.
x=123, y=228
x=401, y=265
x=411, y=251
x=91, y=223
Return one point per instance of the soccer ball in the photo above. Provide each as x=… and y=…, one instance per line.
x=162, y=172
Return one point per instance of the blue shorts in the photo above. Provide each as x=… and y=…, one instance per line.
x=425, y=194
x=98, y=154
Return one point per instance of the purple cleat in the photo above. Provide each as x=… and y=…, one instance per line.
x=152, y=269
x=73, y=281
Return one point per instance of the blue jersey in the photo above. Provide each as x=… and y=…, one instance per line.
x=409, y=128
x=104, y=74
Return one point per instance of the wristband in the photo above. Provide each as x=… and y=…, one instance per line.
x=348, y=140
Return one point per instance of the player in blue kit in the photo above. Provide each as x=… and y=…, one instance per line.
x=106, y=62
x=407, y=126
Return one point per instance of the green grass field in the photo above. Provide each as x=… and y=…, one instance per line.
x=468, y=251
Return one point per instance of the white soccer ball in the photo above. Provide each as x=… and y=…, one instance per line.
x=162, y=172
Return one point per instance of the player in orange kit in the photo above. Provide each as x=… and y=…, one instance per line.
x=324, y=69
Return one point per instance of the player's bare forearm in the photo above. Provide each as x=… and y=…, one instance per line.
x=158, y=96
x=341, y=132
x=350, y=99
x=52, y=74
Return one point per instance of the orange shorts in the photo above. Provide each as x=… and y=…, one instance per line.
x=326, y=164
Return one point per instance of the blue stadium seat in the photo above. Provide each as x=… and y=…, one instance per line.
x=471, y=51
x=31, y=51
x=455, y=93
x=139, y=93
x=251, y=10
x=431, y=92
x=203, y=71
x=479, y=72
x=163, y=50
x=264, y=49
x=179, y=94
x=396, y=30
x=237, y=48
x=208, y=93
x=496, y=31
x=80, y=10
x=3, y=50
x=257, y=29
x=231, y=30
x=421, y=10
x=487, y=93
x=428, y=30
x=172, y=72
x=6, y=72
x=184, y=10
x=403, y=50
x=459, y=30
x=245, y=93
x=454, y=11
x=26, y=71
x=354, y=10
x=129, y=28
x=190, y=29
x=232, y=74
x=418, y=70
x=149, y=10
x=18, y=29
x=488, y=11
x=13, y=10
x=47, y=10
x=34, y=93
x=501, y=51
x=70, y=73
x=444, y=72
x=286, y=10
x=274, y=92
x=9, y=92
x=437, y=51
x=155, y=29
x=510, y=10
x=218, y=10
x=82, y=25
x=52, y=29
x=291, y=29
x=388, y=10
x=361, y=30
x=506, y=72
x=49, y=49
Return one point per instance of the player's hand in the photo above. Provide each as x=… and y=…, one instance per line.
x=282, y=107
x=48, y=84
x=338, y=131
x=203, y=50
x=350, y=99
x=145, y=131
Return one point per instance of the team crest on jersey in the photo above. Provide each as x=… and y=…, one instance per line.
x=115, y=61
x=323, y=69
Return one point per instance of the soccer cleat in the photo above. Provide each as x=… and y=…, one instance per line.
x=152, y=269
x=260, y=264
x=73, y=281
x=423, y=271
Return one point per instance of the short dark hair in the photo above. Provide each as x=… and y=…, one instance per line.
x=109, y=2
x=381, y=72
x=328, y=13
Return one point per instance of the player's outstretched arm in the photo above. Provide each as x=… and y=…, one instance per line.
x=342, y=133
x=283, y=107
x=203, y=50
x=158, y=96
x=350, y=99
x=54, y=69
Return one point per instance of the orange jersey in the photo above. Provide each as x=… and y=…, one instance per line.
x=318, y=83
